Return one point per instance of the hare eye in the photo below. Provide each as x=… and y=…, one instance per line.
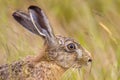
x=71, y=46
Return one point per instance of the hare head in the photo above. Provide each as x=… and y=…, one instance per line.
x=64, y=51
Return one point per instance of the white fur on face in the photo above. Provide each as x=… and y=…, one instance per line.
x=79, y=52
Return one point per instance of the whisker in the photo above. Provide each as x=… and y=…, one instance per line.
x=79, y=72
x=90, y=68
x=67, y=76
x=88, y=71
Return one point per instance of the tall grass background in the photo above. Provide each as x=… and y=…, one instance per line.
x=93, y=23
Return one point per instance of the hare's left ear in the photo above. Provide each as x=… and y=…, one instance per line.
x=25, y=21
x=41, y=23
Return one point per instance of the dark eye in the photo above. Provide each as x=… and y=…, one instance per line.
x=71, y=46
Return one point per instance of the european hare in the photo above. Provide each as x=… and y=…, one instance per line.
x=58, y=55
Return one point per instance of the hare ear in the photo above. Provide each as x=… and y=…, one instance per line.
x=25, y=21
x=41, y=23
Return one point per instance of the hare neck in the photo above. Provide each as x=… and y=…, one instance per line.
x=50, y=70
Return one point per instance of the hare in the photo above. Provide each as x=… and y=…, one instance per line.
x=58, y=54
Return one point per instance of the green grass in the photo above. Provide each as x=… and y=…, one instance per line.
x=94, y=23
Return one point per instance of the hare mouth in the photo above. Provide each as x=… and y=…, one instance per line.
x=77, y=66
x=81, y=63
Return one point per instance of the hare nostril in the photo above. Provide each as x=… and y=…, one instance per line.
x=89, y=60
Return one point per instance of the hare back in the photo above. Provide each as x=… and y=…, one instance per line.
x=24, y=70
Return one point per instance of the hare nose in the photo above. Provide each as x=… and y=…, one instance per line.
x=89, y=60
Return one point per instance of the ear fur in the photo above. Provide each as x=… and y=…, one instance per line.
x=25, y=21
x=36, y=22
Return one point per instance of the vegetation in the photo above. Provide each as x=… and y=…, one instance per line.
x=94, y=23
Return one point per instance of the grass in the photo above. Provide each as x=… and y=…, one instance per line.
x=94, y=23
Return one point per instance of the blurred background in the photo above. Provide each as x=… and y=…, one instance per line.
x=93, y=23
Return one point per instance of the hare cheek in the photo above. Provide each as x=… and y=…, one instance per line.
x=65, y=59
x=79, y=53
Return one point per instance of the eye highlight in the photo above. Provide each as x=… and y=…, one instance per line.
x=71, y=46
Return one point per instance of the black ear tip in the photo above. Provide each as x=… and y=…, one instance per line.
x=34, y=7
x=16, y=15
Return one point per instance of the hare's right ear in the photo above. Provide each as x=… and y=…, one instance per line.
x=41, y=23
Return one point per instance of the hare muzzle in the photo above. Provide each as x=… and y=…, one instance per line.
x=84, y=56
